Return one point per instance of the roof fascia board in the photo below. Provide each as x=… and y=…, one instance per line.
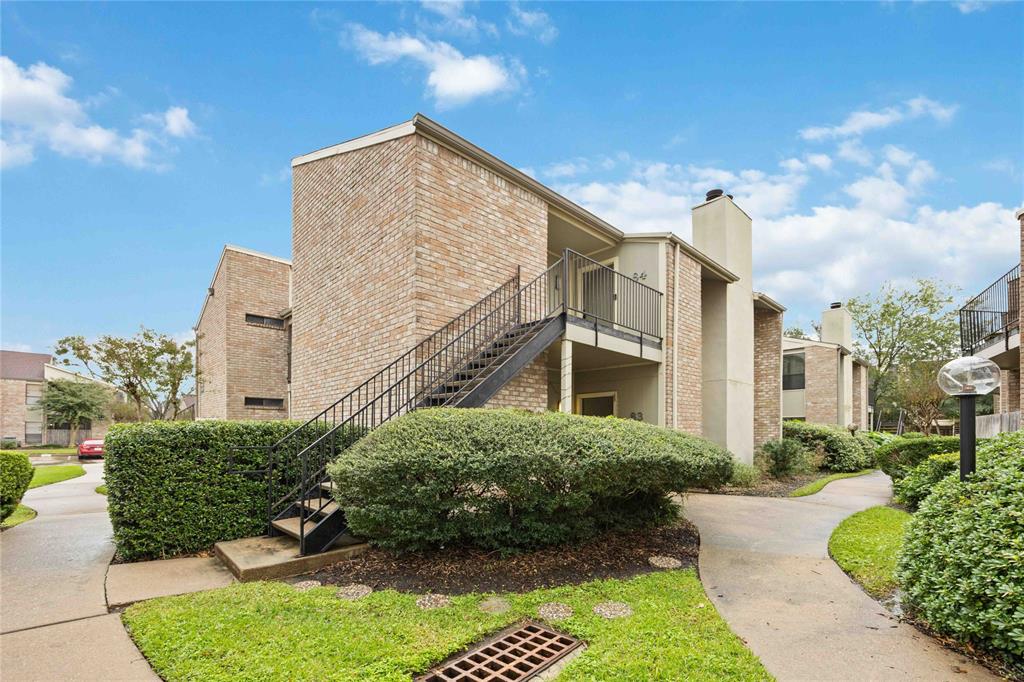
x=768, y=302
x=393, y=133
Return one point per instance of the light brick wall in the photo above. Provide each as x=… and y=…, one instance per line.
x=682, y=342
x=767, y=376
x=390, y=242
x=860, y=396
x=1009, y=386
x=821, y=390
x=238, y=359
x=13, y=412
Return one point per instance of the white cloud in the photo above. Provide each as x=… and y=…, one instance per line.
x=453, y=20
x=533, y=23
x=452, y=78
x=36, y=110
x=822, y=162
x=853, y=150
x=859, y=122
x=178, y=124
x=972, y=6
x=793, y=165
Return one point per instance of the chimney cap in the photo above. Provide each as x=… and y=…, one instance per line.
x=714, y=194
x=837, y=304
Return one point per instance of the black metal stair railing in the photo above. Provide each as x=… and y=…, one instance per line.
x=993, y=312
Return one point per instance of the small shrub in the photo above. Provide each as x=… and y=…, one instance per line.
x=744, y=475
x=169, y=486
x=833, y=448
x=900, y=455
x=913, y=434
x=784, y=457
x=878, y=437
x=509, y=480
x=8, y=444
x=961, y=566
x=15, y=475
x=911, y=490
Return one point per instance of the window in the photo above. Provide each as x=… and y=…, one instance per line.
x=274, y=403
x=33, y=433
x=33, y=392
x=264, y=321
x=792, y=371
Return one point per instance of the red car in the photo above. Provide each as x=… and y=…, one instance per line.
x=92, y=447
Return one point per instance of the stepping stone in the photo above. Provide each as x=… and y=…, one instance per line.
x=613, y=609
x=353, y=591
x=666, y=562
x=304, y=585
x=554, y=611
x=495, y=605
x=433, y=601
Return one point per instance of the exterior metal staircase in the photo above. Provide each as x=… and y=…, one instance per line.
x=463, y=364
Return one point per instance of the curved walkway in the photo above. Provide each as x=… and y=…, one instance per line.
x=764, y=564
x=54, y=623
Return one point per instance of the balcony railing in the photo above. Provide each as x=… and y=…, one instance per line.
x=991, y=315
x=604, y=295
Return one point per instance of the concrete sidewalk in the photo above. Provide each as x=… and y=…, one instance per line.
x=54, y=623
x=764, y=564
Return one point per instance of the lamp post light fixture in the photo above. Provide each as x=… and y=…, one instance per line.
x=967, y=378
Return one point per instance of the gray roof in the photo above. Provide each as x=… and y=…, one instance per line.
x=25, y=366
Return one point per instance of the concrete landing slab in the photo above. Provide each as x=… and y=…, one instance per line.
x=267, y=558
x=89, y=649
x=128, y=583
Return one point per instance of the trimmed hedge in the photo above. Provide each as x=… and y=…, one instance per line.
x=169, y=490
x=511, y=480
x=911, y=490
x=833, y=448
x=899, y=456
x=784, y=457
x=962, y=563
x=15, y=475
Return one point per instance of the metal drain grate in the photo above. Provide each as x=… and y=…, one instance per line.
x=518, y=654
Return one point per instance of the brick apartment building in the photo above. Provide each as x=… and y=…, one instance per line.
x=23, y=377
x=413, y=234
x=822, y=381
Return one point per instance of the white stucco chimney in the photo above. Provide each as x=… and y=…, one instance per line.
x=722, y=230
x=837, y=325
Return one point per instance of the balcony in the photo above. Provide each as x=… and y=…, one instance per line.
x=993, y=316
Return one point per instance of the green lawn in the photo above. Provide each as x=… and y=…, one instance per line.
x=48, y=450
x=101, y=489
x=54, y=473
x=815, y=486
x=21, y=515
x=270, y=631
x=865, y=546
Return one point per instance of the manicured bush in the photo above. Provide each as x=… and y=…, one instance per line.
x=784, y=457
x=15, y=475
x=744, y=475
x=510, y=480
x=911, y=490
x=962, y=564
x=878, y=437
x=832, y=448
x=169, y=486
x=8, y=444
x=900, y=455
x=913, y=434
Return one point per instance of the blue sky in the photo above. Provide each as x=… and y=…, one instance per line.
x=870, y=141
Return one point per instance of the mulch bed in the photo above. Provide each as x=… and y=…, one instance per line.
x=769, y=487
x=461, y=571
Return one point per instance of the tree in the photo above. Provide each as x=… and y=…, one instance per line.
x=900, y=326
x=918, y=393
x=65, y=401
x=150, y=368
x=795, y=333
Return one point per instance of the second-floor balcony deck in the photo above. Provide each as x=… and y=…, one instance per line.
x=993, y=316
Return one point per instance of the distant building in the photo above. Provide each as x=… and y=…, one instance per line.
x=23, y=377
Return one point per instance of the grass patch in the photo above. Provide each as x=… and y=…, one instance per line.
x=54, y=473
x=46, y=449
x=101, y=489
x=865, y=546
x=269, y=631
x=21, y=515
x=815, y=486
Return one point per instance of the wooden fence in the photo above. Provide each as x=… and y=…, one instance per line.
x=62, y=437
x=993, y=424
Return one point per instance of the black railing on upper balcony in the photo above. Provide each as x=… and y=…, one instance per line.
x=991, y=315
x=599, y=293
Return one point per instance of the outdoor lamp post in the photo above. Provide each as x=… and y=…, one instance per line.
x=967, y=378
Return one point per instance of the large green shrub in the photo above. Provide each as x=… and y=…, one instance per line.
x=15, y=475
x=169, y=489
x=900, y=455
x=509, y=479
x=784, y=457
x=911, y=490
x=834, y=449
x=962, y=564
